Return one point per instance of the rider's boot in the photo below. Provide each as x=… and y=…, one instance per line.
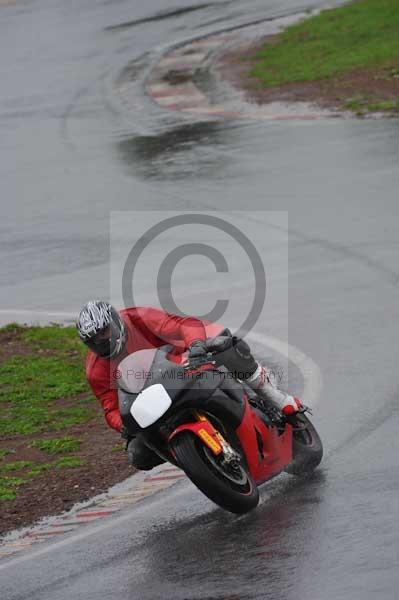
x=263, y=385
x=235, y=354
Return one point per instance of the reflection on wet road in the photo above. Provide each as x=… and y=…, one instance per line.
x=164, y=156
x=78, y=139
x=272, y=540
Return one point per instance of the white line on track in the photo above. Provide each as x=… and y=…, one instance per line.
x=312, y=377
x=312, y=389
x=12, y=315
x=37, y=313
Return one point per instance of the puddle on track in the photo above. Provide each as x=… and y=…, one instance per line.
x=183, y=151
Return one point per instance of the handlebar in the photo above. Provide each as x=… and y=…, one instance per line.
x=196, y=363
x=216, y=345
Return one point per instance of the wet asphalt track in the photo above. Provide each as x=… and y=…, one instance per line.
x=70, y=154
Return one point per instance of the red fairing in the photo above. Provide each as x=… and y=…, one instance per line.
x=197, y=427
x=147, y=328
x=275, y=452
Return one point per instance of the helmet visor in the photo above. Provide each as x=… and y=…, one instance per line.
x=109, y=341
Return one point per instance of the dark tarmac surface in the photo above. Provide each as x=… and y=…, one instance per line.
x=71, y=151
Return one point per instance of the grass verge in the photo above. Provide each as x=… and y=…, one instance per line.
x=55, y=448
x=352, y=52
x=41, y=385
x=45, y=369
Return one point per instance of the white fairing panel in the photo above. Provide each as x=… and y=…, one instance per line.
x=150, y=405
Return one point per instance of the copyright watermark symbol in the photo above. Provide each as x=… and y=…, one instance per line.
x=211, y=266
x=220, y=262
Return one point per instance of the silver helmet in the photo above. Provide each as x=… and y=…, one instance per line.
x=101, y=328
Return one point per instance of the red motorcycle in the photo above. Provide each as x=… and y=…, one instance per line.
x=226, y=440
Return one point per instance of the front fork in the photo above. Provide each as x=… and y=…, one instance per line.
x=209, y=435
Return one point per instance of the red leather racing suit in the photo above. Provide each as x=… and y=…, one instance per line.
x=146, y=328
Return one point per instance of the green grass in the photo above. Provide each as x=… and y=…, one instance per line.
x=384, y=105
x=362, y=34
x=42, y=389
x=17, y=465
x=4, y=453
x=11, y=481
x=8, y=485
x=362, y=105
x=31, y=384
x=68, y=417
x=58, y=446
x=53, y=337
x=118, y=448
x=7, y=494
x=39, y=469
x=68, y=462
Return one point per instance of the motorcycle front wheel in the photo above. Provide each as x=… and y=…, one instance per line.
x=228, y=485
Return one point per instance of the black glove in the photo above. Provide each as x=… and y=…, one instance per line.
x=197, y=354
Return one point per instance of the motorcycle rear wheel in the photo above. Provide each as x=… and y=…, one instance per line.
x=231, y=488
x=307, y=448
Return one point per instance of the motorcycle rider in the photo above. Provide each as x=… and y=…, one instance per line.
x=111, y=336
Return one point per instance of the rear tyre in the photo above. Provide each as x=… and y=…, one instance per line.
x=231, y=487
x=307, y=447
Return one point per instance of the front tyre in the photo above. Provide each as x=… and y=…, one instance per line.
x=307, y=447
x=229, y=486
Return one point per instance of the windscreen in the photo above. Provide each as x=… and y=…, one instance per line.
x=135, y=370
